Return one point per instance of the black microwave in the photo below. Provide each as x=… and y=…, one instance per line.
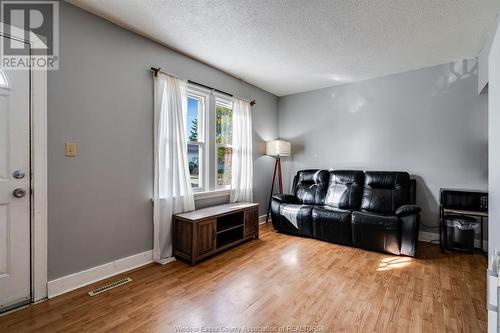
x=464, y=200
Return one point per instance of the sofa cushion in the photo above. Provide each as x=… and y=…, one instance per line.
x=376, y=232
x=310, y=188
x=332, y=224
x=345, y=189
x=296, y=219
x=385, y=191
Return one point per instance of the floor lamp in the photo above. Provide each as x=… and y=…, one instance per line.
x=277, y=149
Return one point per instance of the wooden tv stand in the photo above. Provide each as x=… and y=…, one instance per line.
x=204, y=232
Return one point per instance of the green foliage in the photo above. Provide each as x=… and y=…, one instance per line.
x=193, y=132
x=223, y=124
x=224, y=139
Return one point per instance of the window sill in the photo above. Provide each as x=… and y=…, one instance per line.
x=212, y=194
x=209, y=194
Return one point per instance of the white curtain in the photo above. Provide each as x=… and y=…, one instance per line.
x=172, y=186
x=242, y=161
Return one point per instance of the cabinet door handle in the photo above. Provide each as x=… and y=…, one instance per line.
x=214, y=233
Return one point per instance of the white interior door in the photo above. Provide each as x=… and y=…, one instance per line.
x=15, y=237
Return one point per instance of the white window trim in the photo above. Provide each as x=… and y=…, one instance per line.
x=208, y=149
x=203, y=96
x=216, y=193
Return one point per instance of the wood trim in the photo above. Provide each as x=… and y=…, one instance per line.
x=39, y=185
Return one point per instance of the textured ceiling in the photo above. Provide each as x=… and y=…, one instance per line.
x=292, y=46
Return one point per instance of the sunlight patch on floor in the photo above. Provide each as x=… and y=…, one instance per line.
x=390, y=263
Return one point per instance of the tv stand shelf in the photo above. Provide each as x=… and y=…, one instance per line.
x=204, y=232
x=229, y=229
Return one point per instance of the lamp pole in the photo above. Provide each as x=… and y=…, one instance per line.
x=277, y=167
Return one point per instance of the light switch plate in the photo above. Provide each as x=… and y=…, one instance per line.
x=70, y=149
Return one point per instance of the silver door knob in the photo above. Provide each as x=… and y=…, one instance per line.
x=19, y=193
x=18, y=174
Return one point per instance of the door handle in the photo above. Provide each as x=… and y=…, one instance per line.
x=19, y=193
x=18, y=174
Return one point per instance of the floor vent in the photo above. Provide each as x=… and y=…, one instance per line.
x=109, y=286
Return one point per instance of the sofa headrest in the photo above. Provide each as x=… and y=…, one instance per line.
x=385, y=191
x=345, y=189
x=312, y=175
x=311, y=186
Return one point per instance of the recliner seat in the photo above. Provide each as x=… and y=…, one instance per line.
x=332, y=220
x=373, y=210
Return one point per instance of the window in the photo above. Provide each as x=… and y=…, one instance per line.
x=196, y=140
x=223, y=142
x=209, y=139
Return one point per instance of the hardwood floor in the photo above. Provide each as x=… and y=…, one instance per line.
x=275, y=282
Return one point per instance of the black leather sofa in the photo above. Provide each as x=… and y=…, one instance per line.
x=374, y=210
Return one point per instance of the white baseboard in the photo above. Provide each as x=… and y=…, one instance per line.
x=425, y=236
x=262, y=219
x=430, y=237
x=76, y=280
x=492, y=321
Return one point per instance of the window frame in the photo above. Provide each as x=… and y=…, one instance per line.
x=207, y=140
x=202, y=142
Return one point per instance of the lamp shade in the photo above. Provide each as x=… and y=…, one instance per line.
x=278, y=148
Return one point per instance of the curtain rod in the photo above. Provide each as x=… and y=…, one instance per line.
x=158, y=70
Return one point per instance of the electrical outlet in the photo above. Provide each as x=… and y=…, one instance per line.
x=70, y=149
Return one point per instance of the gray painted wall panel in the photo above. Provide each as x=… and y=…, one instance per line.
x=429, y=122
x=102, y=99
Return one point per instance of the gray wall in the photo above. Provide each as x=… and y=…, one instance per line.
x=429, y=122
x=102, y=98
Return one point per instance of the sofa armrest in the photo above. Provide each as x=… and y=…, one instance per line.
x=285, y=198
x=276, y=202
x=410, y=225
x=406, y=210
